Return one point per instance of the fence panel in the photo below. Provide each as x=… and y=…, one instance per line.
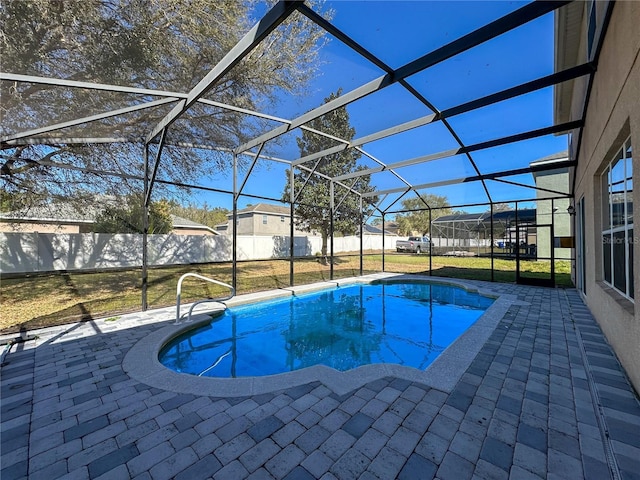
x=49, y=252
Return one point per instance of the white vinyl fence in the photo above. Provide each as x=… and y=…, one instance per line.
x=48, y=252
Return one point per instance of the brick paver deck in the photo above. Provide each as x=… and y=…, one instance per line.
x=544, y=398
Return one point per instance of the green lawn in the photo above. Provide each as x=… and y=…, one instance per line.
x=479, y=268
x=44, y=300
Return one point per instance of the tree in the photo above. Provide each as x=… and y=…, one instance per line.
x=10, y=201
x=500, y=207
x=205, y=214
x=417, y=221
x=127, y=217
x=154, y=44
x=313, y=205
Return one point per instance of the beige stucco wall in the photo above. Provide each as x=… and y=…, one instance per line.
x=274, y=225
x=613, y=113
x=252, y=224
x=37, y=228
x=555, y=212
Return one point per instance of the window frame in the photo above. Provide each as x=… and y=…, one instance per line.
x=610, y=230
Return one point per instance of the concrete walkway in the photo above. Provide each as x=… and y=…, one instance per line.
x=545, y=397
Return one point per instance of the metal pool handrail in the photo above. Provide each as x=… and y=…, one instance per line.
x=207, y=279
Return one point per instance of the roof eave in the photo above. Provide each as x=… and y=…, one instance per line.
x=567, y=33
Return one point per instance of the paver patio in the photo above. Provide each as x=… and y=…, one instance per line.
x=544, y=398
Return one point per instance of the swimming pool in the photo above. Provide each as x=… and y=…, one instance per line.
x=408, y=323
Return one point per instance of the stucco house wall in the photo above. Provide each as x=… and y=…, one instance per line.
x=548, y=212
x=612, y=116
x=270, y=224
x=261, y=219
x=15, y=227
x=38, y=223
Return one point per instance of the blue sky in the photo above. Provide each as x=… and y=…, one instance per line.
x=398, y=32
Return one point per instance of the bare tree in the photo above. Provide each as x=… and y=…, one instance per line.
x=167, y=45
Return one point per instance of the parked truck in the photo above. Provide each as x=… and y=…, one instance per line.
x=413, y=244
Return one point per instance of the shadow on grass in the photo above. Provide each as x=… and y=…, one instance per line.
x=563, y=280
x=474, y=274
x=80, y=312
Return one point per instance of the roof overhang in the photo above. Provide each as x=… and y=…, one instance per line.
x=568, y=34
x=551, y=165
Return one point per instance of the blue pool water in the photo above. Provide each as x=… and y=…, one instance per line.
x=403, y=323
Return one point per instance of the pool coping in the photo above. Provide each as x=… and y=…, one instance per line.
x=141, y=361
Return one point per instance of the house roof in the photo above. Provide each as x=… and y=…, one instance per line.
x=568, y=30
x=370, y=229
x=62, y=213
x=546, y=165
x=550, y=159
x=181, y=222
x=524, y=215
x=462, y=217
x=184, y=222
x=265, y=208
x=69, y=214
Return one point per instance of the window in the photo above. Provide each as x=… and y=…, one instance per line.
x=617, y=221
x=282, y=218
x=264, y=219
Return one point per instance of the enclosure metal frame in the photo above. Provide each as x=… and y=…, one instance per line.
x=157, y=137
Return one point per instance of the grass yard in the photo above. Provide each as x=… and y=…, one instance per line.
x=479, y=268
x=45, y=300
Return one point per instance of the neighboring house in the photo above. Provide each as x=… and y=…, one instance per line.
x=391, y=227
x=261, y=219
x=606, y=265
x=61, y=219
x=552, y=212
x=67, y=219
x=184, y=226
